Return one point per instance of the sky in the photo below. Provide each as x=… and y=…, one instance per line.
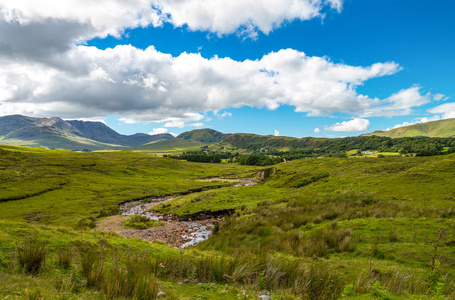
x=323, y=68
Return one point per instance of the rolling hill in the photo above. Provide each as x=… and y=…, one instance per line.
x=190, y=140
x=55, y=133
x=441, y=128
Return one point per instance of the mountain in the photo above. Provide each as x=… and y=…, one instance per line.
x=100, y=132
x=205, y=136
x=441, y=128
x=190, y=140
x=70, y=135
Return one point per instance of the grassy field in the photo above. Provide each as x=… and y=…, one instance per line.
x=65, y=188
x=351, y=228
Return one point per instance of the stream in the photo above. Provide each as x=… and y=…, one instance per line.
x=175, y=232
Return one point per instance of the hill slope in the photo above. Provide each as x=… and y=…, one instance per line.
x=441, y=128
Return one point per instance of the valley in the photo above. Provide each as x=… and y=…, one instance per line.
x=350, y=227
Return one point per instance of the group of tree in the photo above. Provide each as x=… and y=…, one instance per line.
x=262, y=154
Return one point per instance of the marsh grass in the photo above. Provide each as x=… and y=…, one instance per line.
x=31, y=255
x=65, y=257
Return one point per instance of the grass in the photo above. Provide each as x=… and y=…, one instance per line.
x=140, y=222
x=368, y=228
x=73, y=189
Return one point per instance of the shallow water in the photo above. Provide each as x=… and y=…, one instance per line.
x=197, y=232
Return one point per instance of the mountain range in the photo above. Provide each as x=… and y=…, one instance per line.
x=56, y=133
x=70, y=135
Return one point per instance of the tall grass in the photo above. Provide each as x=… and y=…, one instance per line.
x=31, y=255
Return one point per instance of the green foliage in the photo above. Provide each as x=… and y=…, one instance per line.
x=258, y=160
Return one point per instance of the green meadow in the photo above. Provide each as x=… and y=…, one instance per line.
x=350, y=228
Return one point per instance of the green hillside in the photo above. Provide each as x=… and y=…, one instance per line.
x=206, y=136
x=441, y=128
x=187, y=141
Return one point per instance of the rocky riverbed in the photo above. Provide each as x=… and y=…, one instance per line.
x=176, y=231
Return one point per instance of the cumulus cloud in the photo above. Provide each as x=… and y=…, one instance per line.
x=161, y=130
x=83, y=20
x=317, y=130
x=225, y=17
x=447, y=110
x=127, y=120
x=277, y=133
x=44, y=72
x=399, y=104
x=148, y=85
x=355, y=124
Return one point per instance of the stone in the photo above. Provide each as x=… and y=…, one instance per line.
x=161, y=294
x=264, y=295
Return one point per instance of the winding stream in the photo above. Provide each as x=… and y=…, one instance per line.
x=177, y=233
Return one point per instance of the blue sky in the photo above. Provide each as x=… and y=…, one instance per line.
x=330, y=68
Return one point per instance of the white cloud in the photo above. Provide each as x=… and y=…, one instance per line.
x=127, y=120
x=440, y=97
x=399, y=104
x=147, y=85
x=88, y=19
x=44, y=73
x=317, y=130
x=196, y=124
x=277, y=133
x=156, y=131
x=447, y=110
x=416, y=121
x=355, y=124
x=224, y=17
x=177, y=124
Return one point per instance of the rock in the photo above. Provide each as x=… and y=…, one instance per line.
x=264, y=295
x=161, y=294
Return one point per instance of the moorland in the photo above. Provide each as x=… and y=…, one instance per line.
x=371, y=218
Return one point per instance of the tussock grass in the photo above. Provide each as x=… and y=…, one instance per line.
x=31, y=255
x=140, y=222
